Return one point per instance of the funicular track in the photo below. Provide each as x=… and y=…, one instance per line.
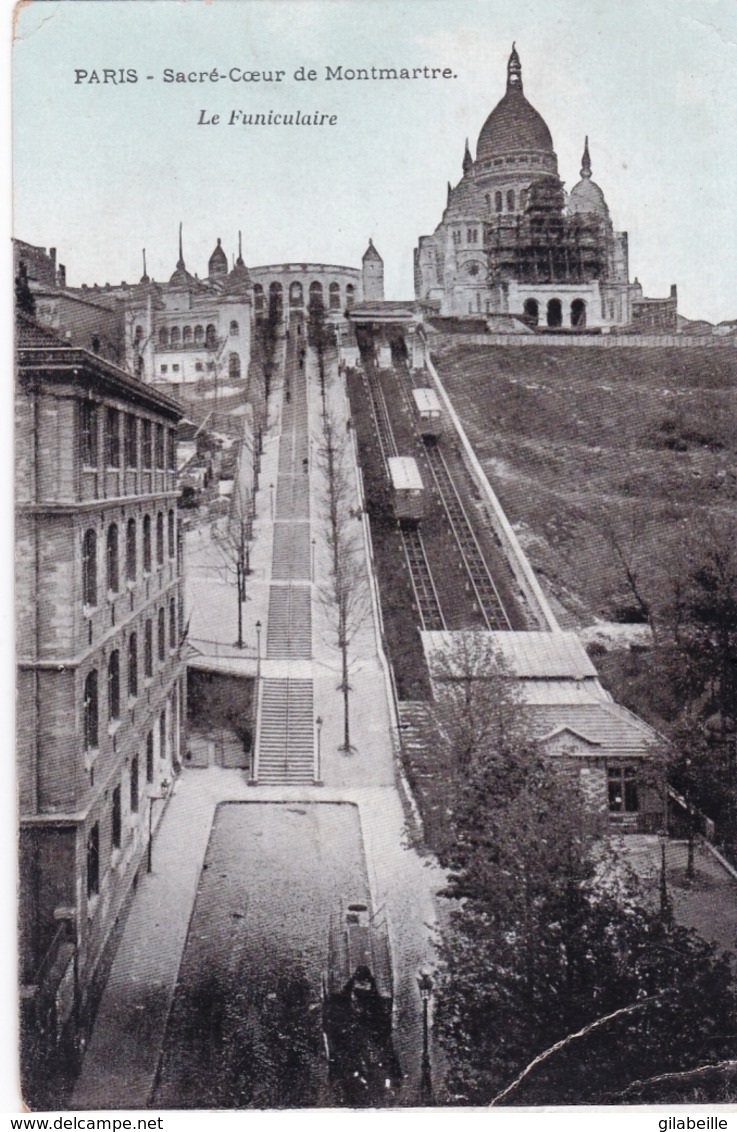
x=426, y=597
x=481, y=580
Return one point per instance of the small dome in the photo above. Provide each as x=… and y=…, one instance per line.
x=513, y=125
x=218, y=262
x=586, y=196
x=238, y=281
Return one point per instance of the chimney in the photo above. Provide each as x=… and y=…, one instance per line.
x=62, y=275
x=673, y=291
x=52, y=256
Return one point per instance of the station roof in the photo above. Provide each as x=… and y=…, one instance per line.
x=526, y=655
x=404, y=473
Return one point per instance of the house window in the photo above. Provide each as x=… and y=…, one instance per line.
x=171, y=522
x=131, y=442
x=175, y=335
x=133, y=665
x=172, y=624
x=93, y=860
x=148, y=649
x=334, y=296
x=139, y=333
x=258, y=298
x=210, y=366
x=162, y=735
x=160, y=446
x=234, y=367
x=160, y=539
x=163, y=336
x=199, y=334
x=113, y=564
x=134, y=785
x=234, y=329
x=510, y=200
x=457, y=237
x=187, y=335
x=150, y=757
x=162, y=635
x=131, y=563
x=90, y=716
x=172, y=449
x=147, y=544
x=113, y=686
x=112, y=438
x=198, y=367
x=89, y=568
x=498, y=202
x=146, y=445
x=349, y=295
x=116, y=819
x=472, y=235
x=164, y=369
x=622, y=789
x=175, y=369
x=210, y=337
x=88, y=433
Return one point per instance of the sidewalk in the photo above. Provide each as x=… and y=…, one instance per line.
x=121, y=1061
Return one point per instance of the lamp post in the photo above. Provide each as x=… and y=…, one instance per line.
x=425, y=987
x=314, y=544
x=258, y=650
x=271, y=496
x=318, y=775
x=151, y=799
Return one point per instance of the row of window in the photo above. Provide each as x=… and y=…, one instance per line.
x=234, y=367
x=116, y=808
x=112, y=553
x=296, y=295
x=554, y=313
x=522, y=159
x=91, y=698
x=149, y=446
x=186, y=336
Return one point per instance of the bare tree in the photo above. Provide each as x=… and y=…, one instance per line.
x=345, y=592
x=234, y=544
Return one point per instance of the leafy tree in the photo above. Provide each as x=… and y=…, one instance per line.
x=547, y=935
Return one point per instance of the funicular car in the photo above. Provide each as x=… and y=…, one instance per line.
x=408, y=493
x=357, y=1003
x=428, y=413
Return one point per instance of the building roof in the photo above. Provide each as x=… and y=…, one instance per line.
x=526, y=655
x=513, y=124
x=371, y=253
x=606, y=727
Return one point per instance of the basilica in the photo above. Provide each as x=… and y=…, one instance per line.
x=513, y=242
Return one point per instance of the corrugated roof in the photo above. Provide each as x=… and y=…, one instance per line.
x=527, y=655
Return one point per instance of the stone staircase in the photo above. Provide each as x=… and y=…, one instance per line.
x=285, y=741
x=291, y=552
x=293, y=497
x=289, y=634
x=416, y=734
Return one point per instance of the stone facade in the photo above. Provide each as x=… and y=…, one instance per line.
x=511, y=240
x=101, y=680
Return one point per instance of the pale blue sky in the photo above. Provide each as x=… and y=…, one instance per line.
x=102, y=171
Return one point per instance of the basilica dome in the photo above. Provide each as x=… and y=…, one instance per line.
x=513, y=125
x=586, y=196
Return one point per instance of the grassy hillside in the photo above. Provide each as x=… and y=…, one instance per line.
x=579, y=442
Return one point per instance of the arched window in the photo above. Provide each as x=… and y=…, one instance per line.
x=488, y=201
x=532, y=311
x=139, y=365
x=130, y=441
x=349, y=295
x=210, y=336
x=160, y=539
x=113, y=563
x=175, y=336
x=498, y=201
x=578, y=314
x=234, y=329
x=199, y=334
x=95, y=345
x=555, y=313
x=316, y=299
x=89, y=568
x=148, y=649
x=510, y=200
x=93, y=861
x=296, y=297
x=162, y=635
x=116, y=821
x=234, y=367
x=334, y=293
x=522, y=200
x=139, y=333
x=159, y=444
x=147, y=451
x=172, y=624
x=147, y=544
x=187, y=335
x=276, y=298
x=133, y=665
x=163, y=336
x=90, y=711
x=131, y=556
x=113, y=686
x=162, y=735
x=172, y=534
x=258, y=298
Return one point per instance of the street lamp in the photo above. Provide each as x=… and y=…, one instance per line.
x=258, y=650
x=151, y=799
x=271, y=495
x=425, y=986
x=314, y=544
x=318, y=776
